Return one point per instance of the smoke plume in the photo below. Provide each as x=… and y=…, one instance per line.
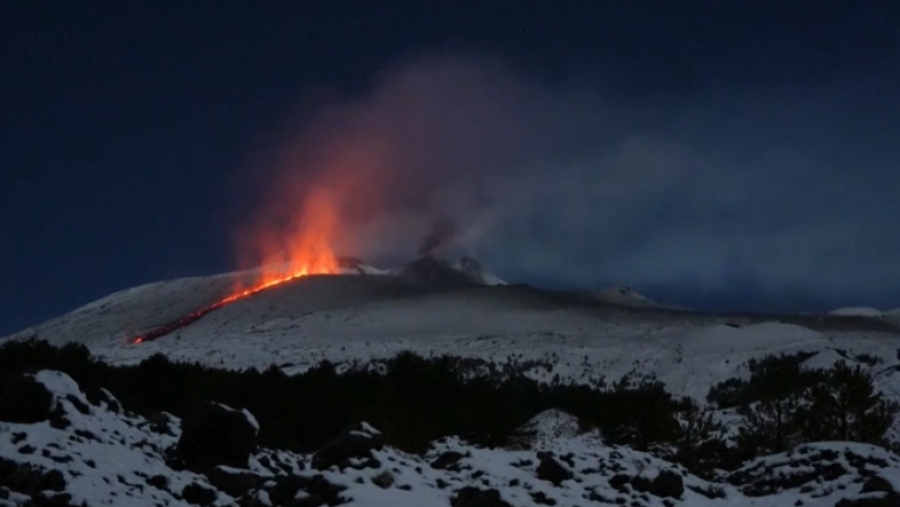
x=442, y=232
x=568, y=182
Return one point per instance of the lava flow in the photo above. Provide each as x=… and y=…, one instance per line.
x=194, y=316
x=301, y=249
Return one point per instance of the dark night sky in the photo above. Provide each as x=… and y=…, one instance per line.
x=737, y=155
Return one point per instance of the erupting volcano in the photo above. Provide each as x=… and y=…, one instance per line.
x=288, y=250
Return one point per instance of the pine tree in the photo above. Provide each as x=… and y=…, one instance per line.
x=845, y=406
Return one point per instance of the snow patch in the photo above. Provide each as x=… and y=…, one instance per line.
x=623, y=296
x=857, y=311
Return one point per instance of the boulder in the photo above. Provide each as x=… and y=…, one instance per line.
x=619, y=481
x=877, y=483
x=159, y=482
x=162, y=423
x=384, y=480
x=25, y=400
x=214, y=434
x=233, y=481
x=100, y=397
x=550, y=470
x=198, y=494
x=889, y=500
x=51, y=499
x=447, y=460
x=355, y=443
x=667, y=484
x=297, y=491
x=470, y=496
x=30, y=479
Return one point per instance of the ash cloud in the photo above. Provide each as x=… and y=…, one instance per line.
x=566, y=182
x=442, y=232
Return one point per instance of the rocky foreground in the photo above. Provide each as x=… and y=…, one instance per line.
x=61, y=446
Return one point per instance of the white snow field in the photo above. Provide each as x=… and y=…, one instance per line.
x=858, y=311
x=358, y=318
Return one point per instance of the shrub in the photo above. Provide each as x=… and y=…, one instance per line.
x=784, y=405
x=413, y=400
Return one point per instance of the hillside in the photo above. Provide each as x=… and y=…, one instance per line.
x=361, y=322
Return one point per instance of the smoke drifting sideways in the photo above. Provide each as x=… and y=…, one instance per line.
x=568, y=183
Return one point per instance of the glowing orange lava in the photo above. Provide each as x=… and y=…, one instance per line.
x=290, y=250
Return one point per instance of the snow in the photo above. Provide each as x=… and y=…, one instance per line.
x=366, y=427
x=251, y=419
x=359, y=319
x=120, y=448
x=112, y=467
x=542, y=431
x=857, y=311
x=823, y=360
x=624, y=296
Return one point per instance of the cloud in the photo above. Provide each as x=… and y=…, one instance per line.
x=570, y=184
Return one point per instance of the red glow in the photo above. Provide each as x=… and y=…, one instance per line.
x=287, y=254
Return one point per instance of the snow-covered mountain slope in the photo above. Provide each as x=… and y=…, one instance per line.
x=435, y=273
x=89, y=451
x=354, y=266
x=478, y=272
x=858, y=311
x=623, y=296
x=363, y=318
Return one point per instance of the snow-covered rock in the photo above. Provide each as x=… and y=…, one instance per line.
x=822, y=474
x=107, y=457
x=545, y=428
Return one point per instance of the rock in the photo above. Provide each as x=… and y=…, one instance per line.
x=550, y=470
x=667, y=484
x=162, y=423
x=544, y=427
x=259, y=499
x=356, y=442
x=100, y=397
x=318, y=491
x=447, y=460
x=50, y=499
x=384, y=480
x=640, y=484
x=159, y=482
x=619, y=481
x=877, y=483
x=214, y=434
x=79, y=405
x=30, y=479
x=234, y=482
x=470, y=496
x=541, y=498
x=889, y=500
x=198, y=494
x=25, y=400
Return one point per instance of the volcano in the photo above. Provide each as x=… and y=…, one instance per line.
x=435, y=273
x=427, y=272
x=434, y=306
x=362, y=317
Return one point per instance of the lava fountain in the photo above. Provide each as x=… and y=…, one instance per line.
x=287, y=250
